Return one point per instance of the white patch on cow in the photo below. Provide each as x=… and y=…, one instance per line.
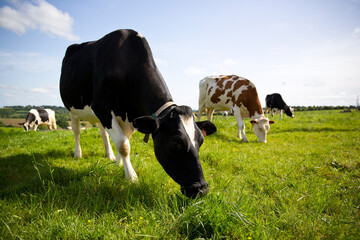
x=139, y=35
x=126, y=126
x=257, y=115
x=86, y=114
x=240, y=90
x=120, y=132
x=188, y=123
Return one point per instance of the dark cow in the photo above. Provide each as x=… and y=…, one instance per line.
x=274, y=103
x=115, y=81
x=40, y=117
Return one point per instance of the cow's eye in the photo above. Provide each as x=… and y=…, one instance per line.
x=178, y=143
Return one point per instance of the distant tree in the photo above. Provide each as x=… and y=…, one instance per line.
x=61, y=122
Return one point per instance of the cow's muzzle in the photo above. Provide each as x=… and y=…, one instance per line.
x=195, y=190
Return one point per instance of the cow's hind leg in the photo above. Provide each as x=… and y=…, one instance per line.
x=122, y=145
x=75, y=125
x=105, y=138
x=54, y=125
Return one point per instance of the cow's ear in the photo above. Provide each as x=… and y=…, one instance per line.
x=271, y=122
x=253, y=122
x=146, y=124
x=206, y=127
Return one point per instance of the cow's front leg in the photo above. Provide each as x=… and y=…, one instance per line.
x=240, y=125
x=35, y=127
x=122, y=145
x=105, y=138
x=118, y=159
x=210, y=112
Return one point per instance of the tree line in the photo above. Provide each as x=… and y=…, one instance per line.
x=62, y=114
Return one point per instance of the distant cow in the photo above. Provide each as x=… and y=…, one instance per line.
x=274, y=103
x=115, y=81
x=40, y=117
x=227, y=92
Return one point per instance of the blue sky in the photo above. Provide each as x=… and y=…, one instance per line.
x=307, y=50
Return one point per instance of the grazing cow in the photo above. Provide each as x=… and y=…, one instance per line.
x=115, y=81
x=226, y=92
x=40, y=117
x=274, y=103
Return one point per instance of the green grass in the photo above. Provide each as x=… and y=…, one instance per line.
x=303, y=184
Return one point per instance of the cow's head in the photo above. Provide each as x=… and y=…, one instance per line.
x=26, y=125
x=177, y=139
x=260, y=127
x=29, y=121
x=289, y=111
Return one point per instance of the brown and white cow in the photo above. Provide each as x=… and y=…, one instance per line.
x=225, y=92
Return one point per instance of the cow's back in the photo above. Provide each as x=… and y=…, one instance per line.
x=116, y=73
x=274, y=101
x=212, y=94
x=76, y=87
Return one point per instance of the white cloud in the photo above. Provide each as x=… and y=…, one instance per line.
x=39, y=15
x=38, y=90
x=215, y=67
x=229, y=62
x=28, y=61
x=161, y=62
x=356, y=32
x=194, y=71
x=9, y=95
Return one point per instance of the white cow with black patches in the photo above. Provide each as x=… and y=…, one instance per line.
x=38, y=117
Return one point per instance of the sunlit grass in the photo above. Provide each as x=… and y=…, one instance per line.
x=304, y=183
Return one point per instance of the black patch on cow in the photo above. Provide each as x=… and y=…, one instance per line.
x=114, y=74
x=275, y=101
x=44, y=115
x=30, y=118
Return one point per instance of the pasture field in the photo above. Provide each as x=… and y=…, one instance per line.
x=303, y=184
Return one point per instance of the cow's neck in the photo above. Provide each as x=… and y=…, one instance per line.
x=254, y=108
x=153, y=95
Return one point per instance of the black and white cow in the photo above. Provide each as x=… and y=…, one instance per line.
x=38, y=117
x=115, y=81
x=274, y=103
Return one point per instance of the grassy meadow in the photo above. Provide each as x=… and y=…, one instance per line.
x=303, y=184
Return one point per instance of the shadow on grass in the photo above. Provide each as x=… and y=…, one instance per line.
x=97, y=187
x=27, y=171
